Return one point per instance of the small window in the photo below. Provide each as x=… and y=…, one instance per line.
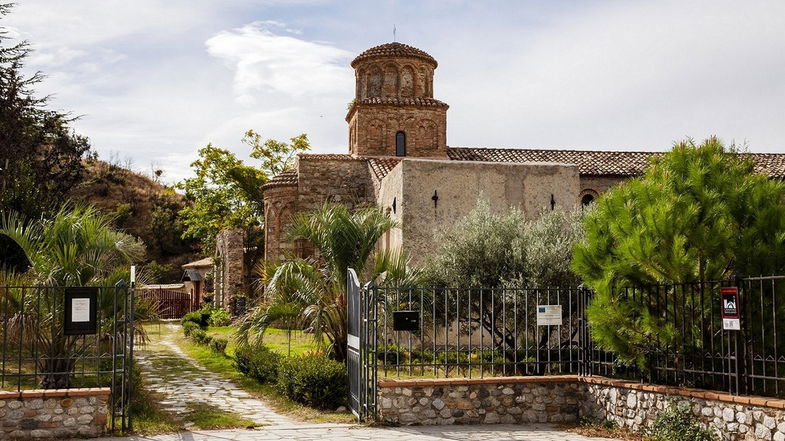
x=587, y=199
x=400, y=144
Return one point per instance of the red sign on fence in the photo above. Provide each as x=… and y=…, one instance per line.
x=731, y=315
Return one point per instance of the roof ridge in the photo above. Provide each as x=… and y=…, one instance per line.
x=529, y=149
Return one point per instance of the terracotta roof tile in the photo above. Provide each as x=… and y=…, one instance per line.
x=607, y=163
x=283, y=179
x=330, y=156
x=598, y=162
x=382, y=166
x=394, y=50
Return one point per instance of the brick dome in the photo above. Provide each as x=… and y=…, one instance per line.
x=395, y=49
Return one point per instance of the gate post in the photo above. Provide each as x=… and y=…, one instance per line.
x=368, y=348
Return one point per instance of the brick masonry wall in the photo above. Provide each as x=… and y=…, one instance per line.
x=570, y=398
x=57, y=413
x=230, y=262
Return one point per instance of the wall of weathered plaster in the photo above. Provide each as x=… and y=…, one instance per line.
x=459, y=185
x=57, y=413
x=600, y=184
x=391, y=191
x=572, y=398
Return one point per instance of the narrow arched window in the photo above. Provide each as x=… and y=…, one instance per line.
x=400, y=144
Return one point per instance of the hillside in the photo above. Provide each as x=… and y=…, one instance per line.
x=143, y=208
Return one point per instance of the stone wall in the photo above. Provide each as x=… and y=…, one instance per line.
x=54, y=413
x=435, y=194
x=572, y=398
x=481, y=401
x=373, y=128
x=280, y=203
x=635, y=406
x=230, y=265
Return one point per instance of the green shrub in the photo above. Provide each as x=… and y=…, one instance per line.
x=219, y=345
x=189, y=327
x=677, y=423
x=220, y=317
x=313, y=380
x=257, y=362
x=200, y=337
x=200, y=317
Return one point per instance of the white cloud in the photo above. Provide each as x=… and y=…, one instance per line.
x=266, y=62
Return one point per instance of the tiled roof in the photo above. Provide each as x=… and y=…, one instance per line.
x=394, y=50
x=382, y=166
x=330, y=156
x=207, y=261
x=604, y=163
x=403, y=102
x=598, y=162
x=283, y=179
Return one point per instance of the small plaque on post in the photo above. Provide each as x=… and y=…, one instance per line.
x=406, y=320
x=80, y=311
x=731, y=315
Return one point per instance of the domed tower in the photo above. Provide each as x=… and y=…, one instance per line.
x=394, y=112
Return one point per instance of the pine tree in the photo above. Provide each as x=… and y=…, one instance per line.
x=698, y=214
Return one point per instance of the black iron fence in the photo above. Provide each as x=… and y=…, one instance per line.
x=476, y=332
x=47, y=342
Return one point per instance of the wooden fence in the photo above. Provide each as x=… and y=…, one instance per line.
x=171, y=304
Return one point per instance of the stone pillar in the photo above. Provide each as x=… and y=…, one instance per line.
x=230, y=263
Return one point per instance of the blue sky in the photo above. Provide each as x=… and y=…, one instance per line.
x=156, y=80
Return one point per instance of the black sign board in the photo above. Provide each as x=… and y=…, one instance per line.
x=80, y=311
x=406, y=320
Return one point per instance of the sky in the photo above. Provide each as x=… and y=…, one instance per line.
x=154, y=81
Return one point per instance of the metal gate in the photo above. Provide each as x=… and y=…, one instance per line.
x=361, y=332
x=37, y=350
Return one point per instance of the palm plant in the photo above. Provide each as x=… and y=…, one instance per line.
x=75, y=247
x=314, y=289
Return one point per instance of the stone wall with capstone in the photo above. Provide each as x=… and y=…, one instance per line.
x=58, y=413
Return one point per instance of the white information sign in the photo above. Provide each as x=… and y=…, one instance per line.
x=549, y=315
x=731, y=324
x=80, y=310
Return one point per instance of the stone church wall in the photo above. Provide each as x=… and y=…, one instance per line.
x=456, y=188
x=346, y=180
x=373, y=129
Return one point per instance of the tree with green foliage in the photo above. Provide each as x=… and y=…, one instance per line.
x=40, y=155
x=225, y=193
x=314, y=291
x=73, y=247
x=698, y=214
x=487, y=249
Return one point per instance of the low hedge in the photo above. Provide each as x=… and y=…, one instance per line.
x=200, y=317
x=257, y=362
x=218, y=344
x=313, y=380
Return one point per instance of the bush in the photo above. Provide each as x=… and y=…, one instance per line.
x=189, y=327
x=200, y=337
x=219, y=345
x=678, y=423
x=200, y=317
x=257, y=362
x=313, y=380
x=219, y=317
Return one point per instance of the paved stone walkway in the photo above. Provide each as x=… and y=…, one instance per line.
x=313, y=432
x=193, y=383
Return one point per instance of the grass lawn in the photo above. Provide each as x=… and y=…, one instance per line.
x=279, y=340
x=223, y=365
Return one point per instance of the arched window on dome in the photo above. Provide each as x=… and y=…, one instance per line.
x=400, y=144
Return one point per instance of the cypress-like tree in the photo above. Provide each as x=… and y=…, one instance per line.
x=700, y=213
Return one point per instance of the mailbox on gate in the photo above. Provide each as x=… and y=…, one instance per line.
x=406, y=320
x=731, y=314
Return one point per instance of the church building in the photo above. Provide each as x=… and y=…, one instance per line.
x=398, y=158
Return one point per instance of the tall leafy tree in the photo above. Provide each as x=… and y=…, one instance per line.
x=40, y=155
x=226, y=193
x=314, y=291
x=698, y=214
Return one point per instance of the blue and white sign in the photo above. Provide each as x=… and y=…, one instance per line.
x=549, y=315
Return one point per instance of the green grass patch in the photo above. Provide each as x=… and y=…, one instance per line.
x=223, y=365
x=207, y=416
x=148, y=417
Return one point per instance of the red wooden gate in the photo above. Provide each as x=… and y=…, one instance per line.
x=171, y=304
